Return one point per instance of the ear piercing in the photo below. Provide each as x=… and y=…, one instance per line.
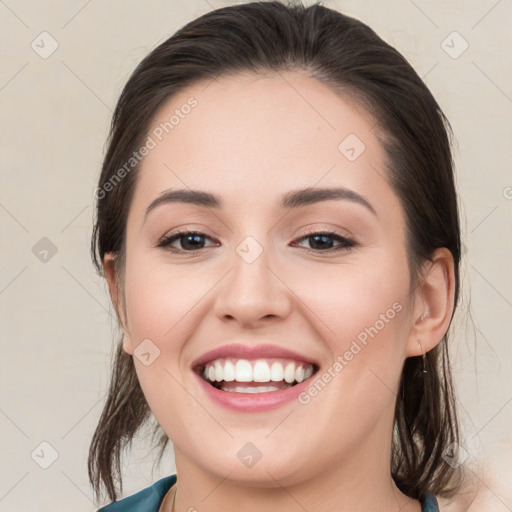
x=424, y=357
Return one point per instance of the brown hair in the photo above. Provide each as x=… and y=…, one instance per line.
x=348, y=56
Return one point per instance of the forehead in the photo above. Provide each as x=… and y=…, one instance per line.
x=252, y=137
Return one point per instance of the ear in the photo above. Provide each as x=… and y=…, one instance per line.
x=433, y=303
x=109, y=268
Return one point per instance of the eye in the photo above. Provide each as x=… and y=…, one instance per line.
x=194, y=241
x=323, y=241
x=190, y=241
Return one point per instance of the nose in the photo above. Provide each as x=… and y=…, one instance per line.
x=253, y=293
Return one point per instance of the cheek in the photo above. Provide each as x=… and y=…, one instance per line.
x=357, y=301
x=159, y=298
x=160, y=312
x=162, y=305
x=362, y=314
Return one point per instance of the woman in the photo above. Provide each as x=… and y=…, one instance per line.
x=277, y=223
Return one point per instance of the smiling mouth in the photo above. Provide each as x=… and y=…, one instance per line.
x=255, y=376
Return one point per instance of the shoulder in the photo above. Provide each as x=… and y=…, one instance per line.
x=146, y=500
x=477, y=492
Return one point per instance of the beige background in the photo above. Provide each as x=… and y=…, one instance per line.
x=56, y=331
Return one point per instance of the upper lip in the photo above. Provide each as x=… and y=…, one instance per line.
x=239, y=351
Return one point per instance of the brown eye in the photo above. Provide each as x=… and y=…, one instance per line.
x=324, y=241
x=189, y=241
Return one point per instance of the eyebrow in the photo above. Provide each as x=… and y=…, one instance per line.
x=293, y=199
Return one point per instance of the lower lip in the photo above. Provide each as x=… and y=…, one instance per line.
x=253, y=402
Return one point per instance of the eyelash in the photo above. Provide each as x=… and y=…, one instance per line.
x=345, y=243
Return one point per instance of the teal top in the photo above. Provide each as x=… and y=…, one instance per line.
x=150, y=499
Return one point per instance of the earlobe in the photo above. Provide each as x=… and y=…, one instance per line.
x=434, y=303
x=127, y=344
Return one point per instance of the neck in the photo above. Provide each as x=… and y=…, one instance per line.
x=361, y=482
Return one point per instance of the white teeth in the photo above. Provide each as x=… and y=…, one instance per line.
x=289, y=373
x=242, y=370
x=276, y=372
x=229, y=371
x=261, y=372
x=219, y=374
x=258, y=389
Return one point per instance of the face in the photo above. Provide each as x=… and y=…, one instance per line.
x=274, y=283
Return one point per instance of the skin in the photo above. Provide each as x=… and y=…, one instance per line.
x=251, y=139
